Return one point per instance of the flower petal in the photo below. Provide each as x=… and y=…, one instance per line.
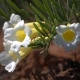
x=77, y=27
x=7, y=46
x=6, y=25
x=15, y=18
x=58, y=40
x=27, y=30
x=5, y=58
x=26, y=41
x=70, y=47
x=72, y=26
x=19, y=25
x=15, y=47
x=61, y=28
x=9, y=34
x=77, y=40
x=11, y=66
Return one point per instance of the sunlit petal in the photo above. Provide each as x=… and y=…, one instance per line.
x=61, y=28
x=15, y=18
x=26, y=41
x=27, y=30
x=19, y=25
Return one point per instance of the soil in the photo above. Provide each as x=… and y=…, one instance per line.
x=35, y=67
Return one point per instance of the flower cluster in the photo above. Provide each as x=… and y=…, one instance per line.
x=16, y=35
x=68, y=36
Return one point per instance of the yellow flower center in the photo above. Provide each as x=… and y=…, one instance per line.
x=20, y=35
x=68, y=24
x=69, y=35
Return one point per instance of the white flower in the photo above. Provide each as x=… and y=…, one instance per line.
x=68, y=36
x=14, y=19
x=7, y=61
x=16, y=35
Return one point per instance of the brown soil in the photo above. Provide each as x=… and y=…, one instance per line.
x=35, y=67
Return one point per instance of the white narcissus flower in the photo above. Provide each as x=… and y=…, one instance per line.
x=68, y=36
x=16, y=35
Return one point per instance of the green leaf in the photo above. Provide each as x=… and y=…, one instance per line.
x=62, y=10
x=42, y=26
x=3, y=13
x=48, y=9
x=71, y=12
x=13, y=5
x=39, y=31
x=38, y=12
x=39, y=4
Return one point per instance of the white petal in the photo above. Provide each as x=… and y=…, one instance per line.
x=69, y=47
x=11, y=66
x=5, y=58
x=6, y=46
x=15, y=18
x=72, y=26
x=77, y=27
x=26, y=41
x=8, y=31
x=61, y=28
x=77, y=40
x=9, y=34
x=6, y=25
x=7, y=61
x=27, y=30
x=58, y=40
x=15, y=47
x=19, y=25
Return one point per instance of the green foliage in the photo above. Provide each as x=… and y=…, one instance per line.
x=48, y=13
x=12, y=6
x=52, y=13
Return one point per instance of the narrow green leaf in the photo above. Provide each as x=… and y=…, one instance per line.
x=47, y=25
x=55, y=3
x=71, y=12
x=62, y=10
x=48, y=9
x=38, y=12
x=41, y=25
x=3, y=13
x=39, y=4
x=13, y=5
x=36, y=27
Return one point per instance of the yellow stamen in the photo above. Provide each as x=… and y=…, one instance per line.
x=68, y=24
x=20, y=35
x=69, y=35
